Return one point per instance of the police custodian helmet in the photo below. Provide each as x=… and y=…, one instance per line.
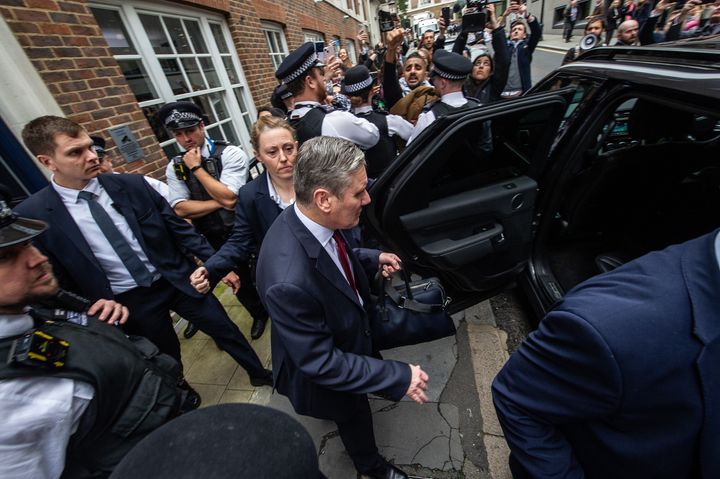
x=13, y=228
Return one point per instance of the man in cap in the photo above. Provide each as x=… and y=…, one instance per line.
x=57, y=365
x=114, y=237
x=302, y=73
x=448, y=74
x=358, y=86
x=204, y=183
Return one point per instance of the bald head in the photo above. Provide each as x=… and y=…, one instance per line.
x=627, y=33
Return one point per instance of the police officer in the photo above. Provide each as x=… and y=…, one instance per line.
x=204, y=183
x=75, y=394
x=448, y=74
x=302, y=73
x=358, y=86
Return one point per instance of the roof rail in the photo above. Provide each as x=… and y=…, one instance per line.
x=700, y=52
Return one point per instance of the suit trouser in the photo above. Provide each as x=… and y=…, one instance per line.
x=247, y=294
x=358, y=436
x=568, y=30
x=150, y=317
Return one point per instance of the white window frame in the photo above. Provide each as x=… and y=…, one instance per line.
x=239, y=119
x=349, y=45
x=313, y=36
x=276, y=43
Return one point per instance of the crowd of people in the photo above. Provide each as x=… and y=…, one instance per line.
x=126, y=250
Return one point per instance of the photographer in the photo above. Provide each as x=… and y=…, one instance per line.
x=520, y=49
x=594, y=26
x=489, y=74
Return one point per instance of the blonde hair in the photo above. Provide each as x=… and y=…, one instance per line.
x=266, y=123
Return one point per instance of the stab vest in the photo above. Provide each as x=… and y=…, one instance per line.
x=384, y=152
x=136, y=387
x=309, y=125
x=440, y=108
x=220, y=222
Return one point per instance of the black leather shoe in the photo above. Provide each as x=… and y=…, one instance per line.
x=265, y=379
x=192, y=400
x=388, y=471
x=258, y=327
x=190, y=330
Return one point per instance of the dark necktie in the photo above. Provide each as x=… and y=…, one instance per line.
x=344, y=258
x=132, y=262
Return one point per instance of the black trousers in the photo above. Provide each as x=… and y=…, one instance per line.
x=150, y=317
x=358, y=436
x=247, y=294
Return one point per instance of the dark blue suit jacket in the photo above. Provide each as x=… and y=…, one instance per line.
x=165, y=238
x=622, y=378
x=525, y=51
x=321, y=342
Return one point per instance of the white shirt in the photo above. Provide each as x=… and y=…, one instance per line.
x=455, y=99
x=342, y=124
x=324, y=236
x=233, y=175
x=117, y=274
x=275, y=196
x=397, y=125
x=38, y=416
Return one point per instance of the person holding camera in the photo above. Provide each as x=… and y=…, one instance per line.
x=204, y=184
x=520, y=49
x=594, y=26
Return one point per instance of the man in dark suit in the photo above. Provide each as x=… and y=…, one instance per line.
x=622, y=378
x=317, y=293
x=114, y=237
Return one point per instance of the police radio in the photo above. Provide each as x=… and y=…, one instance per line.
x=181, y=171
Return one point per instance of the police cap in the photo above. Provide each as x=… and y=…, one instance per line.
x=450, y=66
x=98, y=145
x=357, y=79
x=282, y=92
x=298, y=62
x=13, y=228
x=179, y=114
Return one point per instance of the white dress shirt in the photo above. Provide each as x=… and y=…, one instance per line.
x=119, y=277
x=38, y=416
x=455, y=99
x=324, y=236
x=397, y=125
x=342, y=124
x=233, y=175
x=275, y=196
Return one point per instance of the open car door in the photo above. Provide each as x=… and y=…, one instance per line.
x=459, y=202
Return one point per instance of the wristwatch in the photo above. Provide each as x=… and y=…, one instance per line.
x=195, y=168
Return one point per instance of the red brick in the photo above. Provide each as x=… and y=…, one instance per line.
x=76, y=41
x=45, y=41
x=31, y=16
x=73, y=86
x=39, y=52
x=55, y=77
x=55, y=29
x=100, y=114
x=66, y=18
x=67, y=52
x=81, y=118
x=67, y=98
x=87, y=62
x=42, y=4
x=91, y=94
x=109, y=102
x=84, y=30
x=71, y=7
x=59, y=64
x=97, y=82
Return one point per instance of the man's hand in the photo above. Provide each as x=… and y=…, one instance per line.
x=233, y=280
x=389, y=263
x=661, y=6
x=441, y=24
x=199, y=280
x=491, y=23
x=109, y=311
x=418, y=384
x=362, y=37
x=332, y=67
x=192, y=157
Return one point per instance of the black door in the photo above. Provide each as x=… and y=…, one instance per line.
x=459, y=202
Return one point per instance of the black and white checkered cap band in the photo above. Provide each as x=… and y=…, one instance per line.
x=311, y=60
x=181, y=116
x=358, y=86
x=449, y=76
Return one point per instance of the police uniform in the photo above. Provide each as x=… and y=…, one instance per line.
x=228, y=164
x=74, y=391
x=358, y=81
x=310, y=118
x=452, y=67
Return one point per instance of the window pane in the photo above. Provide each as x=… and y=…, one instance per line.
x=158, y=128
x=204, y=103
x=193, y=73
x=215, y=133
x=230, y=69
x=171, y=150
x=218, y=101
x=138, y=80
x=271, y=41
x=174, y=76
x=219, y=38
x=230, y=133
x=210, y=74
x=156, y=34
x=177, y=35
x=197, y=40
x=114, y=31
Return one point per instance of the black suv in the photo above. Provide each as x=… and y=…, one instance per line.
x=606, y=159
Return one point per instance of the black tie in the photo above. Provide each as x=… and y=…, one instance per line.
x=132, y=262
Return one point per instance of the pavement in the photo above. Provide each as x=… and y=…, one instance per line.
x=455, y=435
x=556, y=43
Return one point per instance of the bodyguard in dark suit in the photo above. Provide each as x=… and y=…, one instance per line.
x=622, y=378
x=114, y=237
x=317, y=293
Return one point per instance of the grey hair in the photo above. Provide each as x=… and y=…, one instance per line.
x=325, y=162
